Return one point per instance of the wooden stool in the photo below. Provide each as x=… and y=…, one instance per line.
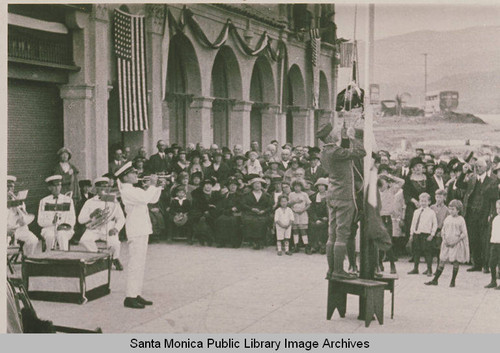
x=389, y=280
x=371, y=298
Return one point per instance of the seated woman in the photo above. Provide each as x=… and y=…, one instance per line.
x=227, y=225
x=256, y=206
x=203, y=212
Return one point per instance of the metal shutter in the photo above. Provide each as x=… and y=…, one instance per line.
x=35, y=133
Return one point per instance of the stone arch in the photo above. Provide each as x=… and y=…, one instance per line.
x=225, y=87
x=296, y=88
x=324, y=91
x=183, y=81
x=262, y=93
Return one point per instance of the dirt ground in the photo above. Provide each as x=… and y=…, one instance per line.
x=436, y=136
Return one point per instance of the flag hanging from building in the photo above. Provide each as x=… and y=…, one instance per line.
x=346, y=53
x=315, y=59
x=130, y=45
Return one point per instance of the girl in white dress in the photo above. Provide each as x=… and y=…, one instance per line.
x=455, y=245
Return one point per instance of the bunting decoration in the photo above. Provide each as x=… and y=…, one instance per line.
x=129, y=43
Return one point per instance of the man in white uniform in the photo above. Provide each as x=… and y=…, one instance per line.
x=103, y=217
x=18, y=219
x=138, y=227
x=56, y=215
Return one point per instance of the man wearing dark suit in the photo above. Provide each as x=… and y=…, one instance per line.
x=315, y=171
x=218, y=169
x=481, y=192
x=117, y=161
x=404, y=170
x=159, y=162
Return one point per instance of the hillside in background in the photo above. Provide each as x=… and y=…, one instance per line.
x=466, y=60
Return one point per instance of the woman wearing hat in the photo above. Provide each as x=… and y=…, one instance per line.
x=239, y=165
x=227, y=224
x=203, y=212
x=195, y=165
x=68, y=172
x=218, y=169
x=414, y=185
x=294, y=166
x=318, y=217
x=256, y=206
x=274, y=172
x=182, y=163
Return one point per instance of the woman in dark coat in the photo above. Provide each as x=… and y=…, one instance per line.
x=203, y=212
x=415, y=184
x=227, y=225
x=318, y=217
x=256, y=207
x=69, y=173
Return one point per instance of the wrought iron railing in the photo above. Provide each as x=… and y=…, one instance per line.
x=40, y=46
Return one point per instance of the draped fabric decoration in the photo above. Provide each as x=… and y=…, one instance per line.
x=130, y=47
x=315, y=56
x=164, y=55
x=264, y=43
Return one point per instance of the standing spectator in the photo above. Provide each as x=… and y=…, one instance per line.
x=239, y=165
x=315, y=170
x=285, y=160
x=283, y=221
x=237, y=150
x=495, y=248
x=299, y=202
x=454, y=247
x=318, y=217
x=127, y=155
x=218, y=169
x=182, y=163
x=481, y=191
x=253, y=165
x=441, y=213
x=68, y=172
x=159, y=162
x=403, y=171
x=265, y=161
x=422, y=231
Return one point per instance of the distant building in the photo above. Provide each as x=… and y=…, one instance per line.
x=62, y=82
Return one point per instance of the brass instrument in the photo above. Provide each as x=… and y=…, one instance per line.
x=23, y=217
x=103, y=216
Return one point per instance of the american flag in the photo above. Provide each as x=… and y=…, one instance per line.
x=130, y=44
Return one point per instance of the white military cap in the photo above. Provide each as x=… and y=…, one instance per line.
x=101, y=180
x=11, y=178
x=125, y=169
x=53, y=178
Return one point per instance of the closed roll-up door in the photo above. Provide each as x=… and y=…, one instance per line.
x=35, y=133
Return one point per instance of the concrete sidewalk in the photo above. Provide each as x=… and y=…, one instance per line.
x=209, y=290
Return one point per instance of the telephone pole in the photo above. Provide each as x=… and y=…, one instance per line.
x=425, y=76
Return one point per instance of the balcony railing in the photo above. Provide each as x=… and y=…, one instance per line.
x=37, y=46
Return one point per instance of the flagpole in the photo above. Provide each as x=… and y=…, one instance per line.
x=367, y=266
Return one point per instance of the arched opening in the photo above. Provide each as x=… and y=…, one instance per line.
x=261, y=93
x=321, y=115
x=183, y=81
x=225, y=87
x=294, y=96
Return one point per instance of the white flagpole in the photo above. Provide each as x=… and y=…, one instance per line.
x=368, y=128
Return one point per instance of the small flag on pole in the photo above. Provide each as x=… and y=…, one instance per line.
x=130, y=47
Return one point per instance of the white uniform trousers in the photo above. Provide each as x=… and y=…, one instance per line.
x=137, y=250
x=91, y=236
x=62, y=237
x=30, y=240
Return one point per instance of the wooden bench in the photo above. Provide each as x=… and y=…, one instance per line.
x=371, y=298
x=389, y=280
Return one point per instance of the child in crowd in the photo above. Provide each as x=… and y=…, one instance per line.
x=422, y=231
x=277, y=191
x=283, y=220
x=441, y=213
x=179, y=208
x=388, y=186
x=495, y=248
x=455, y=246
x=285, y=188
x=299, y=202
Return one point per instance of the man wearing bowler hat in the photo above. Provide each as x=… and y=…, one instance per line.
x=138, y=227
x=338, y=161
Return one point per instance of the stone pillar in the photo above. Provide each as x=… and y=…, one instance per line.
x=158, y=129
x=282, y=128
x=85, y=97
x=270, y=124
x=301, y=126
x=239, y=125
x=198, y=124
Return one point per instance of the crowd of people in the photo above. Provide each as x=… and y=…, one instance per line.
x=435, y=206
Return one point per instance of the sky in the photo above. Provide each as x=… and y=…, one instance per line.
x=396, y=19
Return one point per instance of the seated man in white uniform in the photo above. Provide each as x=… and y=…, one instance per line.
x=56, y=215
x=103, y=218
x=18, y=219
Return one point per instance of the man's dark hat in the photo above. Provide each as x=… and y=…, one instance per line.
x=324, y=131
x=239, y=157
x=84, y=182
x=314, y=150
x=197, y=174
x=414, y=161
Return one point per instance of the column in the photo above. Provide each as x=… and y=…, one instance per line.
x=198, y=127
x=282, y=128
x=270, y=124
x=301, y=126
x=158, y=128
x=239, y=125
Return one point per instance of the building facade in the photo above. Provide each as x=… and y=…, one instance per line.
x=63, y=89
